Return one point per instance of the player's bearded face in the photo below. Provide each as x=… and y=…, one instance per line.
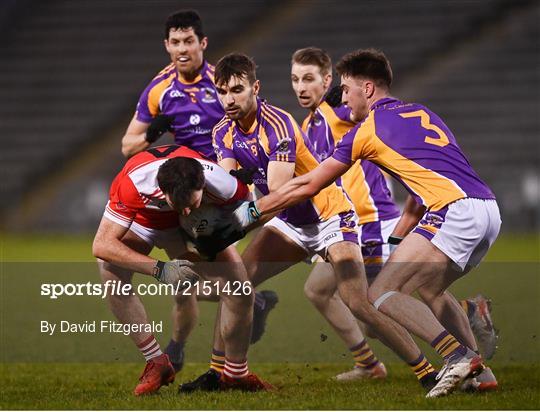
x=354, y=96
x=193, y=202
x=238, y=97
x=309, y=84
x=186, y=50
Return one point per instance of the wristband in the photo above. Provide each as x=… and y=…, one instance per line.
x=254, y=213
x=394, y=240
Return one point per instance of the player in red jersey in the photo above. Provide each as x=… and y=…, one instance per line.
x=145, y=200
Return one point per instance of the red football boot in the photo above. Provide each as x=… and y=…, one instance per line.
x=157, y=373
x=249, y=383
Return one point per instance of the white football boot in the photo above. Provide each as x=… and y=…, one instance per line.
x=358, y=373
x=454, y=372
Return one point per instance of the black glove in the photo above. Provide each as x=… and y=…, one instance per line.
x=244, y=175
x=160, y=124
x=333, y=97
x=210, y=246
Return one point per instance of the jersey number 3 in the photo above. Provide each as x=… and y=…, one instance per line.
x=441, y=141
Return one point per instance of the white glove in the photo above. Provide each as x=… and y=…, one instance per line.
x=176, y=271
x=243, y=216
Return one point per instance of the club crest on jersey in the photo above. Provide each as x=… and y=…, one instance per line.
x=283, y=146
x=209, y=95
x=194, y=119
x=121, y=206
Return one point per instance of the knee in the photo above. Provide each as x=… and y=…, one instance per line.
x=429, y=296
x=317, y=294
x=253, y=272
x=375, y=291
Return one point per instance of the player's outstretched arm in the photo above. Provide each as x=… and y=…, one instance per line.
x=249, y=215
x=302, y=187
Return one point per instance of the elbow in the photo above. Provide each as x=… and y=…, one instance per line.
x=129, y=147
x=127, y=150
x=98, y=250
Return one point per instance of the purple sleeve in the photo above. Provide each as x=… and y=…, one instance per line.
x=343, y=112
x=343, y=151
x=223, y=142
x=143, y=106
x=282, y=140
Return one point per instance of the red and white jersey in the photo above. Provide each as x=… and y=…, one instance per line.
x=136, y=196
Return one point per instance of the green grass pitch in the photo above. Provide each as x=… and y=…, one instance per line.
x=299, y=354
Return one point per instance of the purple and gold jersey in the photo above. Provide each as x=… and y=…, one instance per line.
x=364, y=182
x=195, y=107
x=275, y=136
x=415, y=146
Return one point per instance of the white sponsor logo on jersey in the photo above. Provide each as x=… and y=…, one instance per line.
x=176, y=93
x=194, y=119
x=241, y=145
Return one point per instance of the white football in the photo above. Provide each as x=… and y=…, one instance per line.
x=201, y=221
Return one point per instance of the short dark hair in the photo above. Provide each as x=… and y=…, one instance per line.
x=184, y=19
x=179, y=177
x=368, y=63
x=313, y=56
x=235, y=65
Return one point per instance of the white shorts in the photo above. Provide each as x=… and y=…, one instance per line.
x=464, y=230
x=171, y=240
x=316, y=238
x=373, y=238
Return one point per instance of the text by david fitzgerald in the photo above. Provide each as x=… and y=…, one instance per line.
x=104, y=326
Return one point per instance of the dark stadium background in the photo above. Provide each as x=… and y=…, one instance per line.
x=71, y=73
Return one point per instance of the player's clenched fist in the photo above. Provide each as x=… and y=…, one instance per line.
x=158, y=127
x=176, y=271
x=244, y=216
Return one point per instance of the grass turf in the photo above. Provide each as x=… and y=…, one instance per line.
x=299, y=354
x=299, y=386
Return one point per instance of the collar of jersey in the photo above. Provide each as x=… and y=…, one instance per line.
x=197, y=79
x=383, y=101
